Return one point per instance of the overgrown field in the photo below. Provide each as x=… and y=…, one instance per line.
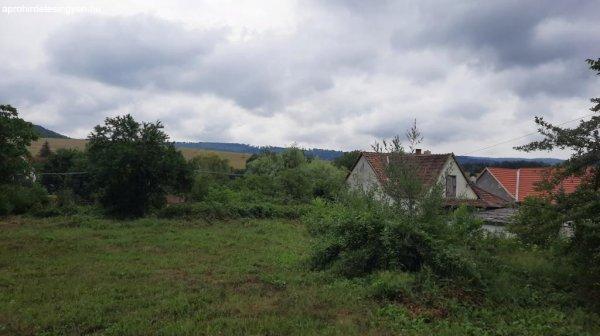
x=85, y=275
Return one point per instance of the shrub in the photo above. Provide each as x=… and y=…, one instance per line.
x=22, y=199
x=388, y=285
x=358, y=238
x=537, y=222
x=210, y=210
x=295, y=184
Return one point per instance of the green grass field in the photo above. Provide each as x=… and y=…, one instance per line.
x=89, y=276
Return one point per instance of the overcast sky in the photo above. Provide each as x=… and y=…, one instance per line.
x=328, y=74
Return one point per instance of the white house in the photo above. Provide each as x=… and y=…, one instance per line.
x=369, y=174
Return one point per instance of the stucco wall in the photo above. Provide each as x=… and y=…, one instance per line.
x=488, y=183
x=363, y=178
x=463, y=190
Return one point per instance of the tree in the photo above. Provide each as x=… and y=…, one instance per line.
x=15, y=136
x=414, y=137
x=70, y=161
x=45, y=151
x=581, y=208
x=347, y=160
x=134, y=166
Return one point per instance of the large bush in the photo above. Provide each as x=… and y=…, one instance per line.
x=537, y=222
x=17, y=199
x=358, y=236
x=134, y=166
x=292, y=177
x=208, y=170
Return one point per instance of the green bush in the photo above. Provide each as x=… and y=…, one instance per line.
x=210, y=210
x=388, y=285
x=18, y=199
x=537, y=222
x=360, y=237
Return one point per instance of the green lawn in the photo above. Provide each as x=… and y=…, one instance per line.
x=72, y=276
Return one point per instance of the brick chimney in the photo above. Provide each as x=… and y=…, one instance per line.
x=418, y=151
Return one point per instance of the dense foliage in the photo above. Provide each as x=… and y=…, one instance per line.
x=15, y=135
x=580, y=209
x=133, y=166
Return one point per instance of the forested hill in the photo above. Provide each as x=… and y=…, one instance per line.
x=325, y=154
x=46, y=133
x=471, y=163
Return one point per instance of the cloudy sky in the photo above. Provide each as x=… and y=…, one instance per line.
x=329, y=74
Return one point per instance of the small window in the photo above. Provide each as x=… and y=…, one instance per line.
x=450, y=186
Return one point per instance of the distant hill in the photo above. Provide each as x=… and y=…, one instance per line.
x=46, y=133
x=325, y=154
x=475, y=164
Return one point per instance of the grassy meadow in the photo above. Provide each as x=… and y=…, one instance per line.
x=236, y=160
x=83, y=275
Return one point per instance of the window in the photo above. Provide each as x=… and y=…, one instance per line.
x=450, y=186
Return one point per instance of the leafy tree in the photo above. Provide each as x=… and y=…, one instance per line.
x=133, y=165
x=267, y=163
x=347, y=160
x=581, y=208
x=293, y=157
x=70, y=161
x=15, y=135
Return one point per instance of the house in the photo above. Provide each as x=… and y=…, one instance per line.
x=514, y=185
x=369, y=174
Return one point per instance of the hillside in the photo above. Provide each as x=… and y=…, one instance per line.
x=325, y=154
x=46, y=133
x=236, y=160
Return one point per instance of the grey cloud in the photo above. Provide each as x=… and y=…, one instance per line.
x=504, y=31
x=127, y=51
x=149, y=53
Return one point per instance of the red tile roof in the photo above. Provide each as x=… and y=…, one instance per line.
x=428, y=166
x=524, y=182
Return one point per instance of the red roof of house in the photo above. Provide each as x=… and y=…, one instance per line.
x=428, y=166
x=524, y=182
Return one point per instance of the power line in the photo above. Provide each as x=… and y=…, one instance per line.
x=69, y=173
x=524, y=136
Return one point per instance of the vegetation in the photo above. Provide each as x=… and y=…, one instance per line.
x=87, y=275
x=581, y=209
x=133, y=166
x=281, y=247
x=15, y=135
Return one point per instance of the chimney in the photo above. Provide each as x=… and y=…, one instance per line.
x=418, y=151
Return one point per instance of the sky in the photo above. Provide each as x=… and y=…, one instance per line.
x=328, y=74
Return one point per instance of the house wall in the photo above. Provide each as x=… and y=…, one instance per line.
x=363, y=178
x=489, y=183
x=463, y=190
